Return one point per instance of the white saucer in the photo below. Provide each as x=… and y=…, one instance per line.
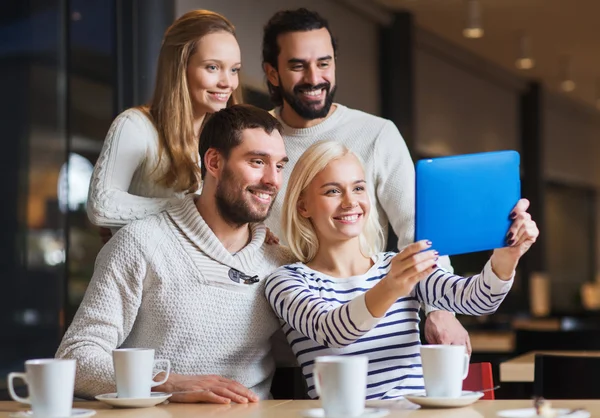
x=75, y=413
x=154, y=399
x=530, y=412
x=466, y=398
x=368, y=413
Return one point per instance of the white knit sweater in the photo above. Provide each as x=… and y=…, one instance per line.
x=163, y=283
x=124, y=186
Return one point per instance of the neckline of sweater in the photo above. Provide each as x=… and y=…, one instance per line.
x=324, y=126
x=190, y=222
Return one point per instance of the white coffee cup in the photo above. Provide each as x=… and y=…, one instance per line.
x=50, y=383
x=341, y=383
x=444, y=369
x=134, y=369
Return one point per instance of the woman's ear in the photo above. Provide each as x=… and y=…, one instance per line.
x=301, y=206
x=213, y=162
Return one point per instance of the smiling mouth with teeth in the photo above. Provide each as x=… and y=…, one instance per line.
x=220, y=96
x=314, y=93
x=348, y=218
x=261, y=195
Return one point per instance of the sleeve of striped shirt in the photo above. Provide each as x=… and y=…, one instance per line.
x=480, y=294
x=301, y=307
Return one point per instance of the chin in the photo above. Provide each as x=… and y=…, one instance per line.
x=260, y=214
x=349, y=234
x=210, y=106
x=216, y=107
x=315, y=106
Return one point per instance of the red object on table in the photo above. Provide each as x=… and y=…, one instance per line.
x=480, y=377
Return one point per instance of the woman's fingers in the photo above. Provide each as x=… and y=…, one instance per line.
x=414, y=263
x=521, y=219
x=527, y=232
x=413, y=249
x=409, y=265
x=271, y=238
x=417, y=265
x=422, y=271
x=521, y=206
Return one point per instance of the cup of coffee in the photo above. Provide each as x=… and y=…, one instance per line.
x=444, y=369
x=134, y=369
x=341, y=383
x=50, y=383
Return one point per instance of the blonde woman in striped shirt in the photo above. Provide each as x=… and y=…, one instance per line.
x=346, y=296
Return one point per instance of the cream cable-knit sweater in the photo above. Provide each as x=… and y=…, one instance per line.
x=163, y=283
x=123, y=186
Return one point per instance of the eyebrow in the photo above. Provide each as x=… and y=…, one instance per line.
x=217, y=61
x=338, y=184
x=302, y=61
x=265, y=155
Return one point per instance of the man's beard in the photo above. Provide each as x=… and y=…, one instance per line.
x=309, y=111
x=232, y=205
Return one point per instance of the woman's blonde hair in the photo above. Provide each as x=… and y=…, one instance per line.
x=299, y=231
x=171, y=108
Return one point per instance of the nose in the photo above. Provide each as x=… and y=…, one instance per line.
x=225, y=81
x=349, y=201
x=312, y=76
x=272, y=176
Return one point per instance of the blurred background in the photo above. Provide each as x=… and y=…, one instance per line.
x=456, y=76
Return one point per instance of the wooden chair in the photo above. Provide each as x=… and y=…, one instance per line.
x=480, y=377
x=566, y=377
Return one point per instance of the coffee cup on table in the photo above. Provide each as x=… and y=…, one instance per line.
x=134, y=370
x=50, y=383
x=444, y=369
x=341, y=383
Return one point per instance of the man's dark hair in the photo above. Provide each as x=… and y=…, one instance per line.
x=223, y=130
x=286, y=21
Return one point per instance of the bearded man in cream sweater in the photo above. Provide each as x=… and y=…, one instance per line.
x=188, y=282
x=299, y=59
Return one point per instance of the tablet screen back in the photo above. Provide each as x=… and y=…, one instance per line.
x=463, y=202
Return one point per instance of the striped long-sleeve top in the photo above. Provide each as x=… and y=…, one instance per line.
x=324, y=315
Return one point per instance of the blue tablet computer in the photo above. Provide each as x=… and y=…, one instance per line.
x=463, y=203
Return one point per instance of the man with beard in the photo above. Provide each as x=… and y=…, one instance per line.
x=299, y=59
x=188, y=282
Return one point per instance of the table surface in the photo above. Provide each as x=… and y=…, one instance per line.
x=289, y=409
x=522, y=368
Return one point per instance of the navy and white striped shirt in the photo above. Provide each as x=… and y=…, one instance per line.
x=324, y=315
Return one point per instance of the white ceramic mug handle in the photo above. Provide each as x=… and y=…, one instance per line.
x=166, y=371
x=11, y=389
x=316, y=379
x=466, y=371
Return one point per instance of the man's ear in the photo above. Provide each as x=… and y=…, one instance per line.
x=213, y=162
x=301, y=206
x=272, y=74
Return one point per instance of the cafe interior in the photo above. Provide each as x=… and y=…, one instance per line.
x=455, y=76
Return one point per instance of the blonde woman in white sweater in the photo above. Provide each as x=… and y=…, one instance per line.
x=150, y=155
